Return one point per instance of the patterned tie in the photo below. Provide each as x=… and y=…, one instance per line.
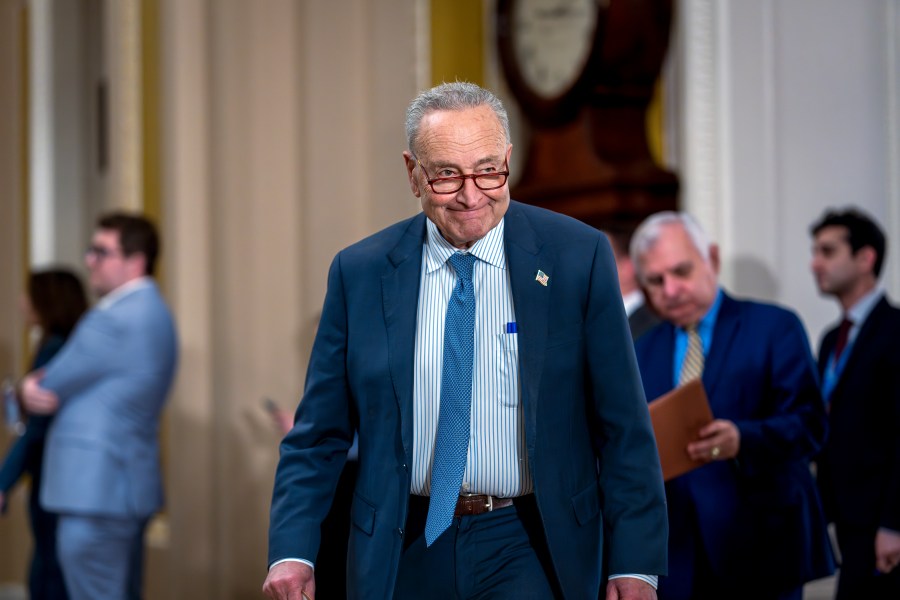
x=843, y=333
x=452, y=441
x=692, y=367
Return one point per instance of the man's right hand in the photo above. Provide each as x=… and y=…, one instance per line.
x=36, y=399
x=290, y=580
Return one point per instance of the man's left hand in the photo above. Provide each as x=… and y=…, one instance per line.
x=629, y=588
x=887, y=550
x=720, y=440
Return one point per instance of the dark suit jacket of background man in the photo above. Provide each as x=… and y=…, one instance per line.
x=859, y=470
x=642, y=320
x=570, y=332
x=758, y=516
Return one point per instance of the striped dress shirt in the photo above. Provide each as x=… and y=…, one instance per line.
x=497, y=459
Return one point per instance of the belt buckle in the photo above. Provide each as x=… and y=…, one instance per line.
x=489, y=503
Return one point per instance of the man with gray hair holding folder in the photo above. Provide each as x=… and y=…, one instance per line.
x=747, y=524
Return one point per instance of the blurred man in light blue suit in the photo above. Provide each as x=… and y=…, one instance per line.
x=107, y=388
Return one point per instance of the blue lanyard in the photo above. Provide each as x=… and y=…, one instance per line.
x=833, y=371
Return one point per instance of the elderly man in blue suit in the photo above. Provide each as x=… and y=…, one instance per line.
x=748, y=524
x=107, y=387
x=481, y=351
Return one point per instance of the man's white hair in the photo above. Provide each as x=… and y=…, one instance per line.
x=648, y=232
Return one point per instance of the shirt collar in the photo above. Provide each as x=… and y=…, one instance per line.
x=633, y=300
x=126, y=289
x=859, y=312
x=488, y=249
x=708, y=322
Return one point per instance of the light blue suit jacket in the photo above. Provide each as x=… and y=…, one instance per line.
x=580, y=387
x=112, y=378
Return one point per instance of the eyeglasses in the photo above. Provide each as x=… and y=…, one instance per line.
x=483, y=181
x=99, y=252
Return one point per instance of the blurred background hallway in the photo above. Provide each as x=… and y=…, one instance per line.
x=265, y=136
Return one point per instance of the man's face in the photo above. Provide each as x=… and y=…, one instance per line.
x=108, y=267
x=836, y=269
x=460, y=142
x=681, y=285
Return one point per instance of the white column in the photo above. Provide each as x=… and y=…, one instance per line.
x=122, y=56
x=41, y=159
x=58, y=134
x=892, y=69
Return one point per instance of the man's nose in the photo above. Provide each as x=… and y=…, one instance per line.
x=670, y=287
x=469, y=194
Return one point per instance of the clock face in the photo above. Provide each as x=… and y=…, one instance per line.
x=552, y=42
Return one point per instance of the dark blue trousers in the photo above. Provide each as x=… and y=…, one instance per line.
x=497, y=555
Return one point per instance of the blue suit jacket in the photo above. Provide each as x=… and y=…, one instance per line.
x=112, y=378
x=578, y=378
x=758, y=517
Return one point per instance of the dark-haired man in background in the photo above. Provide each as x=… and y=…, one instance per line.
x=859, y=363
x=107, y=387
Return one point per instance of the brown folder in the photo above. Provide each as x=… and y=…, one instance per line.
x=677, y=418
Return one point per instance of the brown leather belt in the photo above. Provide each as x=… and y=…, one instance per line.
x=477, y=504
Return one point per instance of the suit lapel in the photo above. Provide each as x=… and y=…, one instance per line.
x=400, y=298
x=870, y=329
x=726, y=329
x=525, y=256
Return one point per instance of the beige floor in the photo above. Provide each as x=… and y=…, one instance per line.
x=822, y=589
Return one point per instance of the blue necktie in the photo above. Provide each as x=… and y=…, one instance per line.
x=452, y=442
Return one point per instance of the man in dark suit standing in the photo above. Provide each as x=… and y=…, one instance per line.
x=480, y=350
x=748, y=524
x=641, y=317
x=859, y=365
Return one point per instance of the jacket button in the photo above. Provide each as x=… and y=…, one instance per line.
x=400, y=531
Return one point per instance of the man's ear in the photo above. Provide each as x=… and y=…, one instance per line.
x=865, y=257
x=410, y=173
x=137, y=264
x=714, y=257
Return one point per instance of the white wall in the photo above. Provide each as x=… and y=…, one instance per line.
x=58, y=148
x=787, y=107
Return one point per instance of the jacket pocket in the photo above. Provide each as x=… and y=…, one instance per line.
x=363, y=515
x=586, y=504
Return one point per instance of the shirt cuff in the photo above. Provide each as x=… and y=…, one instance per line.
x=651, y=579
x=300, y=560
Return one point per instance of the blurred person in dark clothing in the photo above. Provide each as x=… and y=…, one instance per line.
x=859, y=365
x=641, y=317
x=53, y=303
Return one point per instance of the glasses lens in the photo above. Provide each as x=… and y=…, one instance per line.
x=490, y=181
x=98, y=252
x=446, y=186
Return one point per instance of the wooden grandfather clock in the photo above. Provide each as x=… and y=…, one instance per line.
x=583, y=73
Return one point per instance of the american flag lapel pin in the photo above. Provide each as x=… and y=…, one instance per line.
x=542, y=278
